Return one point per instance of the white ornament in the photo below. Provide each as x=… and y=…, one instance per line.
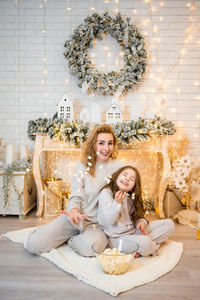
x=65, y=108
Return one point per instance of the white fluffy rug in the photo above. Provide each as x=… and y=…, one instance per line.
x=143, y=270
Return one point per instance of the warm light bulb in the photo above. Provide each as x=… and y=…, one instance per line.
x=109, y=54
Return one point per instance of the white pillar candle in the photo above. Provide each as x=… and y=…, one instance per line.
x=120, y=245
x=23, y=152
x=10, y=154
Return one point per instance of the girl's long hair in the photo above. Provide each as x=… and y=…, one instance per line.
x=137, y=210
x=89, y=147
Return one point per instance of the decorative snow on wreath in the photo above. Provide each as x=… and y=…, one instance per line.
x=131, y=41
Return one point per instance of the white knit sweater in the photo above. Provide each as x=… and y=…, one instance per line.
x=115, y=217
x=86, y=188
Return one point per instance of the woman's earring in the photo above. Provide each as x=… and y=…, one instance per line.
x=133, y=196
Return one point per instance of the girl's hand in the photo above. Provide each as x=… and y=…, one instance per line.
x=119, y=196
x=142, y=227
x=74, y=215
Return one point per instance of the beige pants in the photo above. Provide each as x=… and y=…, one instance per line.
x=157, y=232
x=59, y=231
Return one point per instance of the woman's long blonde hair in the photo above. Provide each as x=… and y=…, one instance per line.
x=89, y=147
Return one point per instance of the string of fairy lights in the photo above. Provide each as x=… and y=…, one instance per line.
x=160, y=77
x=16, y=67
x=44, y=55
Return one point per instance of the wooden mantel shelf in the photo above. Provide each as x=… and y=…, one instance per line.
x=44, y=143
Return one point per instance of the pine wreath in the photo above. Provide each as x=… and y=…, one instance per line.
x=131, y=42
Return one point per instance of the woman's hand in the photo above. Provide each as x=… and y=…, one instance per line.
x=74, y=215
x=119, y=196
x=142, y=227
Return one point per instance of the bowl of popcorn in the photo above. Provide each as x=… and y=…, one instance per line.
x=113, y=261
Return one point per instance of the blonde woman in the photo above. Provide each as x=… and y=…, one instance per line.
x=78, y=224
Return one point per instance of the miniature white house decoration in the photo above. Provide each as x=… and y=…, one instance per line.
x=85, y=115
x=113, y=114
x=65, y=108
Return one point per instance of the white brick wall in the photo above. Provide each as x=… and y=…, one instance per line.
x=27, y=93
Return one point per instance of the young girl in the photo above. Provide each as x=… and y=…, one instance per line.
x=121, y=215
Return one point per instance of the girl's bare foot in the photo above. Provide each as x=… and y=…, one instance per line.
x=137, y=255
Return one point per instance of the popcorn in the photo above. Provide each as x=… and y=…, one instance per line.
x=114, y=262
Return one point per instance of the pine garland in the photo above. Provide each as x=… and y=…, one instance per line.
x=75, y=132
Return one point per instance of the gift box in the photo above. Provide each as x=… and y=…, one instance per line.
x=172, y=203
x=56, y=196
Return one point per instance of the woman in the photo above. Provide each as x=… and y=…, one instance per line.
x=78, y=225
x=121, y=215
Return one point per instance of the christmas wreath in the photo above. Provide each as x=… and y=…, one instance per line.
x=131, y=42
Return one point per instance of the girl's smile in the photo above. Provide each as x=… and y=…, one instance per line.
x=126, y=180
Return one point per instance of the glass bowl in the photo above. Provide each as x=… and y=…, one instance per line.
x=113, y=261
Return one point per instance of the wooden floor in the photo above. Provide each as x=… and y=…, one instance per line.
x=28, y=277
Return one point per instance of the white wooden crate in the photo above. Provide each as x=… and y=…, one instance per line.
x=14, y=206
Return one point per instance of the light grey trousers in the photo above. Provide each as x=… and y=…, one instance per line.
x=59, y=231
x=157, y=232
